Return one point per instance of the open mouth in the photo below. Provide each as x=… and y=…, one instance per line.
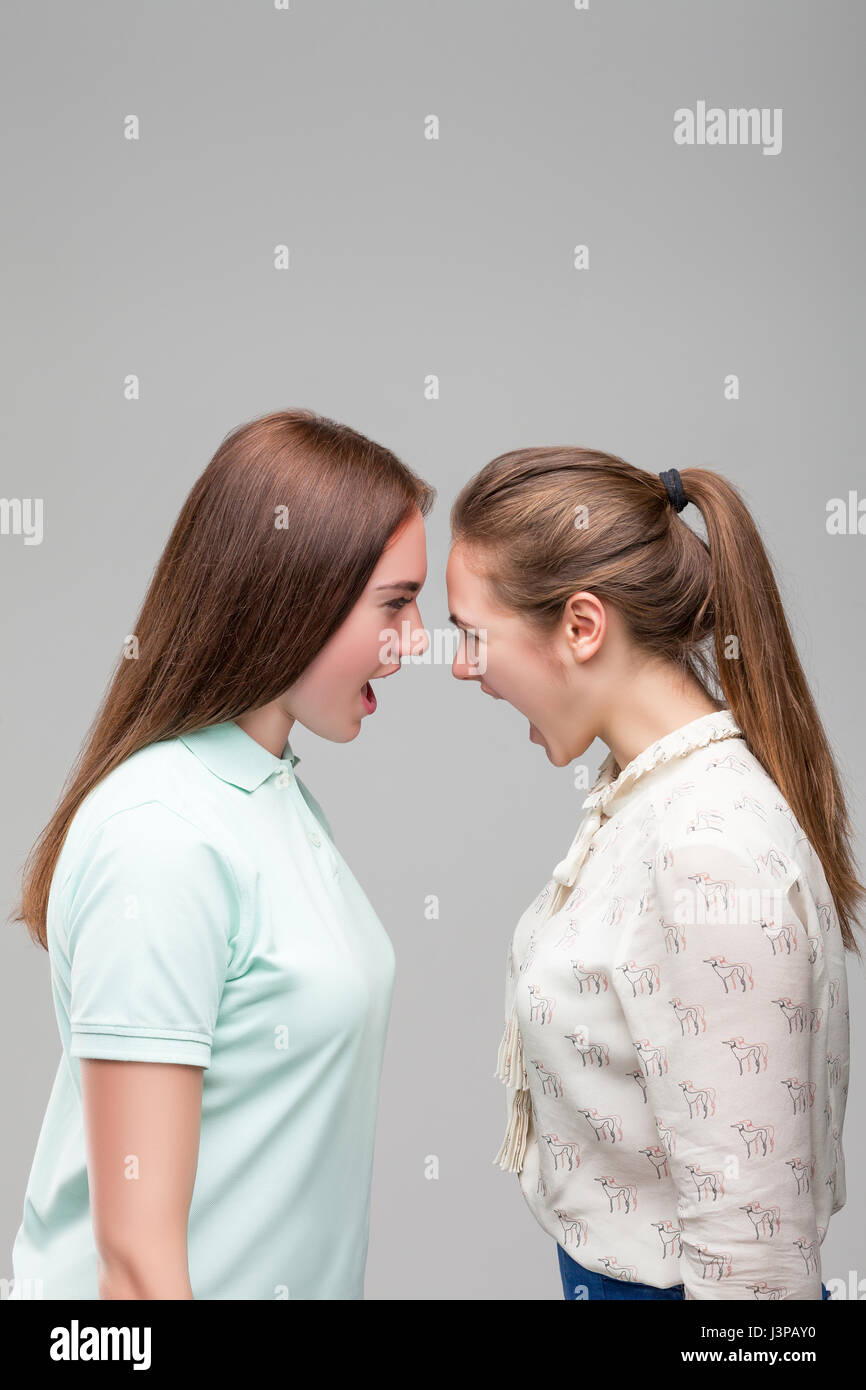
x=369, y=698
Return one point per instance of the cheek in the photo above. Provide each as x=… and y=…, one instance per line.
x=520, y=682
x=353, y=654
x=507, y=677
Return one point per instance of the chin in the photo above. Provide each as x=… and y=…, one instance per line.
x=343, y=733
x=556, y=757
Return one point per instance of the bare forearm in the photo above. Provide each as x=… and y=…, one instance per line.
x=144, y=1276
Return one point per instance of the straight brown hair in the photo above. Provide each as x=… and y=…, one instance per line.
x=542, y=524
x=272, y=549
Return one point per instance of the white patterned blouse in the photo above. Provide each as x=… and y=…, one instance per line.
x=676, y=1040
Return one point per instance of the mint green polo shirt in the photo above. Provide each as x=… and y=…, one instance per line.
x=200, y=913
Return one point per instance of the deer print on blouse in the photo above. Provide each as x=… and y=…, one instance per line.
x=758, y=1138
x=574, y=1229
x=750, y=1056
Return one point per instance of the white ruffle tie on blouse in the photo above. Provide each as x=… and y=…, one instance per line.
x=510, y=1066
x=611, y=780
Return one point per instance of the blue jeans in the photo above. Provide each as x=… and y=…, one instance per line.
x=602, y=1286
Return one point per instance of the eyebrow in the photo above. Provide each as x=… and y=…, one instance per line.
x=411, y=584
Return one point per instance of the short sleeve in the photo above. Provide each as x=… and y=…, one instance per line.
x=150, y=913
x=704, y=978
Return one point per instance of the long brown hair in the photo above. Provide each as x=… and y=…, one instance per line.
x=271, y=550
x=542, y=524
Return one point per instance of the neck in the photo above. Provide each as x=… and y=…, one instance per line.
x=270, y=726
x=653, y=710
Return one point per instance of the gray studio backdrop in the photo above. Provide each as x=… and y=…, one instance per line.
x=433, y=171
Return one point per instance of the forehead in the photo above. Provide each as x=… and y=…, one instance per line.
x=405, y=555
x=468, y=598
x=460, y=574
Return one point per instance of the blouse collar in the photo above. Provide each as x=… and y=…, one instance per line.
x=612, y=785
x=611, y=782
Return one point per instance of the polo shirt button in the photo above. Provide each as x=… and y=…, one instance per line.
x=315, y=839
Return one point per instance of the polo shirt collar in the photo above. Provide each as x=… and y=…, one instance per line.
x=233, y=756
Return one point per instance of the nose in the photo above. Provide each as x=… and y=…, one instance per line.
x=419, y=642
x=462, y=668
x=411, y=637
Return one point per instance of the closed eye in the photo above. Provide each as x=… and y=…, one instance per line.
x=461, y=627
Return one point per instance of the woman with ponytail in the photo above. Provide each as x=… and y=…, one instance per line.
x=676, y=1014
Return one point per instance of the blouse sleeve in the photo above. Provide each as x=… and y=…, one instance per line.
x=710, y=977
x=150, y=913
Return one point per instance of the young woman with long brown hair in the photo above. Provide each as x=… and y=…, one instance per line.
x=222, y=984
x=676, y=1039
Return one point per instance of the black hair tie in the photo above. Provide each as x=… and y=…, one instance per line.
x=674, y=484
